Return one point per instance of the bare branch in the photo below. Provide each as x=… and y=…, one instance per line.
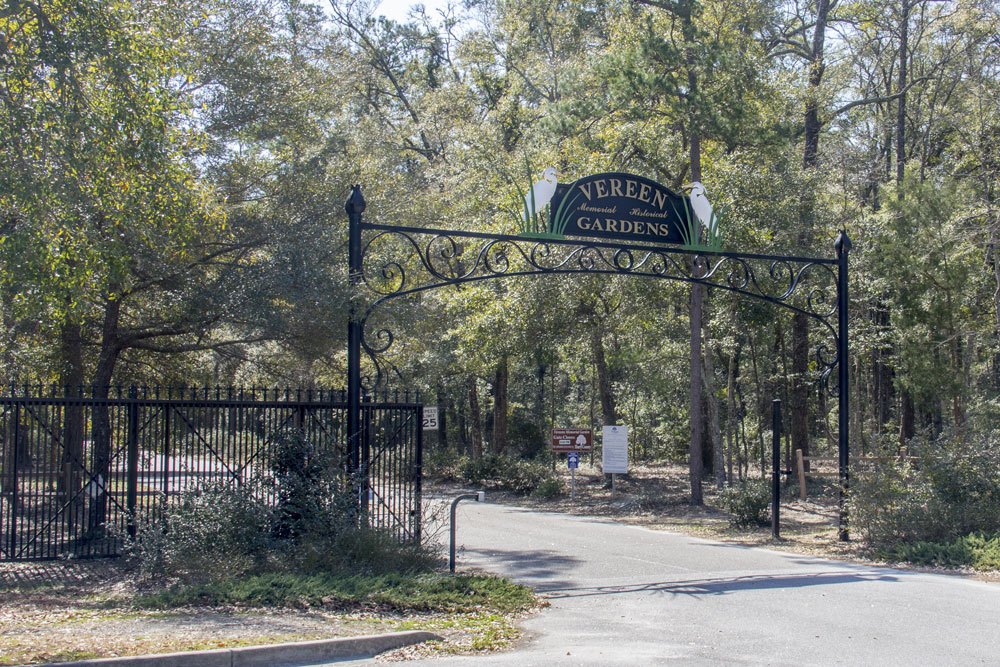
x=872, y=100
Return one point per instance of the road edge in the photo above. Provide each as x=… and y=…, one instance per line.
x=268, y=654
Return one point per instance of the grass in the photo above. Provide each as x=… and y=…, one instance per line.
x=479, y=631
x=977, y=551
x=75, y=619
x=385, y=593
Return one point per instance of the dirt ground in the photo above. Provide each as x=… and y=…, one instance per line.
x=658, y=496
x=69, y=610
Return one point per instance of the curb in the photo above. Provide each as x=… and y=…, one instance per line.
x=268, y=655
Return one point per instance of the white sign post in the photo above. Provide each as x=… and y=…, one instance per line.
x=614, y=457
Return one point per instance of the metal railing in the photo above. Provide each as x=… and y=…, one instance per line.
x=82, y=469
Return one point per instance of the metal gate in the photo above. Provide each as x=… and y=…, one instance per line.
x=79, y=473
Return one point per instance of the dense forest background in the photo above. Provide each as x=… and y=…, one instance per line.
x=173, y=178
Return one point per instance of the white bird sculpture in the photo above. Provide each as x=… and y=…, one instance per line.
x=541, y=194
x=702, y=207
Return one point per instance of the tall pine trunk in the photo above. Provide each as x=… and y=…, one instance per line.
x=799, y=414
x=475, y=419
x=71, y=479
x=500, y=406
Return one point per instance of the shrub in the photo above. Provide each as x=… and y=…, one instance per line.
x=522, y=477
x=525, y=438
x=445, y=465
x=979, y=551
x=505, y=473
x=313, y=495
x=227, y=530
x=484, y=471
x=548, y=489
x=360, y=551
x=218, y=529
x=748, y=502
x=949, y=491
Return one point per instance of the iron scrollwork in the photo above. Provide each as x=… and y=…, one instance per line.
x=405, y=261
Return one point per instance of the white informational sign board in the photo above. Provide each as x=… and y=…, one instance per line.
x=430, y=418
x=615, y=456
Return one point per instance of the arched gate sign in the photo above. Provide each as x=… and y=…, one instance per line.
x=612, y=224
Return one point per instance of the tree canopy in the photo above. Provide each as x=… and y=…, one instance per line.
x=173, y=176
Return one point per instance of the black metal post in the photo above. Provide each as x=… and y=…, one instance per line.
x=132, y=461
x=843, y=248
x=355, y=206
x=166, y=450
x=365, y=460
x=16, y=485
x=418, y=473
x=776, y=468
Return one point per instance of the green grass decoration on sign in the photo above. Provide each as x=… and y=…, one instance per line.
x=560, y=218
x=532, y=222
x=697, y=236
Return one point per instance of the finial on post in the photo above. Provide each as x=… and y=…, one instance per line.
x=843, y=243
x=356, y=202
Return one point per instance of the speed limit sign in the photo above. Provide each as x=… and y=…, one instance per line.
x=430, y=420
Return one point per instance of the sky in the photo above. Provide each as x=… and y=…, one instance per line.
x=398, y=9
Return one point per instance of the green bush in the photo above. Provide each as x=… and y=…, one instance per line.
x=979, y=551
x=522, y=477
x=313, y=495
x=749, y=503
x=483, y=471
x=525, y=438
x=359, y=551
x=227, y=530
x=385, y=593
x=548, y=489
x=219, y=529
x=444, y=464
x=505, y=473
x=950, y=490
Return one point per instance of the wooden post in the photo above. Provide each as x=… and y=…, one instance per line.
x=801, y=467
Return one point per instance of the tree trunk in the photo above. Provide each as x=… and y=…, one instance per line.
x=904, y=47
x=605, y=392
x=476, y=419
x=714, y=429
x=443, y=404
x=799, y=400
x=465, y=442
x=500, y=407
x=882, y=372
x=100, y=416
x=540, y=370
x=732, y=437
x=695, y=468
x=907, y=419
x=71, y=481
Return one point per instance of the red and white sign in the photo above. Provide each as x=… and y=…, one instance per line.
x=572, y=439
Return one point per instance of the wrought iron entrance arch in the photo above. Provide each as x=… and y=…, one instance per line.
x=399, y=261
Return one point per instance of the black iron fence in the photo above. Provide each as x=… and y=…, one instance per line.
x=81, y=470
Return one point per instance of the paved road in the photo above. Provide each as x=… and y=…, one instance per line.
x=622, y=595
